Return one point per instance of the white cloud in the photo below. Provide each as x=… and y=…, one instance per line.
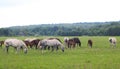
x=25, y=12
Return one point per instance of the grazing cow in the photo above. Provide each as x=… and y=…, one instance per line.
x=112, y=41
x=90, y=43
x=17, y=44
x=54, y=43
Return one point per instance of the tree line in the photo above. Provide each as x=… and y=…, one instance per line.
x=74, y=29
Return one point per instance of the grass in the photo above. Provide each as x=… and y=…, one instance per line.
x=101, y=56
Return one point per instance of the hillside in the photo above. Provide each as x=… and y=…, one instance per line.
x=73, y=29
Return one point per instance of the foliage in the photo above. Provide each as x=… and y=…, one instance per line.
x=75, y=29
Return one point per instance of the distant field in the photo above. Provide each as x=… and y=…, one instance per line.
x=101, y=56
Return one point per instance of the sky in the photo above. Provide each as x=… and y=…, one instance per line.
x=31, y=12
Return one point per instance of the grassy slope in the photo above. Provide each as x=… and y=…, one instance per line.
x=101, y=56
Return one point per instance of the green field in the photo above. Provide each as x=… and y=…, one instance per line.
x=101, y=56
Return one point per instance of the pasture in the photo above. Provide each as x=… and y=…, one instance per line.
x=100, y=56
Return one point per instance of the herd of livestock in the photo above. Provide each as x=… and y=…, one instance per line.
x=47, y=43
